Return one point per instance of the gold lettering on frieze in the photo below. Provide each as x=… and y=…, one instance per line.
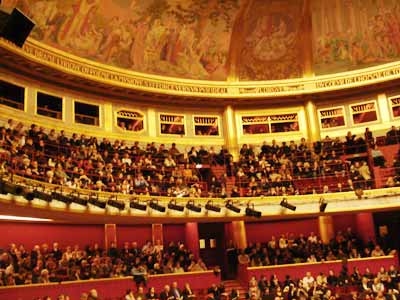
x=271, y=89
x=331, y=112
x=363, y=107
x=359, y=78
x=68, y=63
x=138, y=82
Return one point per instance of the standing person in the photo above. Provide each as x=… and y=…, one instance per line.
x=232, y=260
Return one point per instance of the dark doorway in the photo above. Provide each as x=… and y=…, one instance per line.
x=387, y=227
x=212, y=244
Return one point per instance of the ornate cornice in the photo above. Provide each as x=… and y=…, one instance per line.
x=49, y=57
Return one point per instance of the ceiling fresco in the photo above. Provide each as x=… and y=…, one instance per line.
x=180, y=38
x=353, y=34
x=221, y=39
x=271, y=48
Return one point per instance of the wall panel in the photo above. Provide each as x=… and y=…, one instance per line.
x=262, y=231
x=29, y=234
x=133, y=233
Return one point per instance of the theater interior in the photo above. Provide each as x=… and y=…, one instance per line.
x=199, y=149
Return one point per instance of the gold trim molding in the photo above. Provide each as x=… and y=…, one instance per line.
x=84, y=68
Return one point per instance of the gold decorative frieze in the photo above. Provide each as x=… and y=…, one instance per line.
x=130, y=120
x=172, y=119
x=334, y=112
x=395, y=101
x=206, y=125
x=332, y=117
x=395, y=105
x=76, y=66
x=205, y=120
x=129, y=114
x=365, y=107
x=255, y=119
x=284, y=117
x=264, y=124
x=172, y=124
x=364, y=112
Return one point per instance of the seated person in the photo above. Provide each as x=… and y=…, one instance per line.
x=392, y=136
x=377, y=155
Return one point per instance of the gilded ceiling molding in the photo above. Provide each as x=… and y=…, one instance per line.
x=236, y=43
x=306, y=43
x=112, y=76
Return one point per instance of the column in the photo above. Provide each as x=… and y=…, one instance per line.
x=68, y=111
x=110, y=235
x=152, y=122
x=108, y=117
x=365, y=226
x=384, y=110
x=313, y=131
x=239, y=236
x=192, y=238
x=326, y=230
x=231, y=139
x=30, y=101
x=157, y=234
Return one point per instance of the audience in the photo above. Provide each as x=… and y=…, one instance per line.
x=289, y=249
x=355, y=286
x=274, y=170
x=84, y=162
x=44, y=264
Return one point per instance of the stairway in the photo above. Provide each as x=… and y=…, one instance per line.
x=235, y=284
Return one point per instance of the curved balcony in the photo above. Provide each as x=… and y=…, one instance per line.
x=22, y=198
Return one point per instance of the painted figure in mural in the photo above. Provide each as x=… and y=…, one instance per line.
x=113, y=36
x=188, y=38
x=77, y=20
x=47, y=18
x=90, y=37
x=393, y=27
x=276, y=45
x=154, y=42
x=8, y=4
x=359, y=32
x=137, y=48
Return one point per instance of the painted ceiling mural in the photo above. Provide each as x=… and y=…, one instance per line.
x=353, y=34
x=180, y=38
x=207, y=39
x=272, y=37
